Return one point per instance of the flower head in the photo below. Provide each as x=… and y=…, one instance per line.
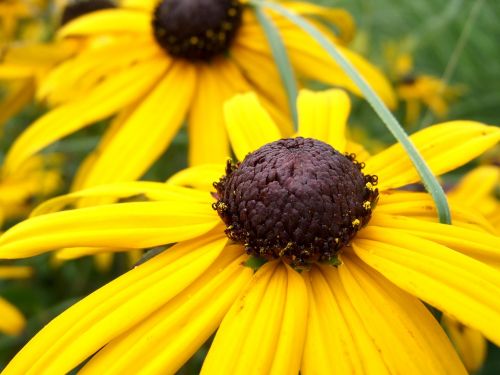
x=160, y=63
x=361, y=313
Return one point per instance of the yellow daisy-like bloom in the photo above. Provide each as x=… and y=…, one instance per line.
x=11, y=320
x=477, y=191
x=417, y=89
x=354, y=307
x=39, y=177
x=161, y=63
x=24, y=65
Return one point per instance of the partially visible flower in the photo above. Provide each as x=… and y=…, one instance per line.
x=479, y=190
x=25, y=63
x=416, y=89
x=12, y=321
x=367, y=255
x=166, y=62
x=36, y=179
x=476, y=190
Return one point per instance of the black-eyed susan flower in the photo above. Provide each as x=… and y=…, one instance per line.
x=416, y=89
x=347, y=258
x=475, y=190
x=160, y=63
x=36, y=179
x=12, y=321
x=24, y=64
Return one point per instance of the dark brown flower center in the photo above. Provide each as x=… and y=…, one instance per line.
x=196, y=29
x=78, y=8
x=296, y=199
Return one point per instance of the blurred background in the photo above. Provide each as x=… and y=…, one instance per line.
x=445, y=53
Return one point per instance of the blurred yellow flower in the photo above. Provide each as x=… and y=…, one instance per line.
x=416, y=89
x=36, y=179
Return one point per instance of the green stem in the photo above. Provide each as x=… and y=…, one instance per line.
x=429, y=180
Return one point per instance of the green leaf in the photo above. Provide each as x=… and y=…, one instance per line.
x=282, y=61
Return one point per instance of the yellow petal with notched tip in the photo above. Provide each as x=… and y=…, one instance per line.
x=360, y=323
x=112, y=310
x=458, y=285
x=170, y=336
x=264, y=330
x=201, y=177
x=120, y=21
x=323, y=116
x=134, y=190
x=248, y=124
x=444, y=147
x=129, y=225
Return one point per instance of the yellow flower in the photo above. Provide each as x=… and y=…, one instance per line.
x=160, y=66
x=23, y=65
x=416, y=89
x=476, y=190
x=12, y=321
x=355, y=306
x=37, y=178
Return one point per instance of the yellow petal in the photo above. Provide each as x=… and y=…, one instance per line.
x=201, y=177
x=208, y=141
x=339, y=18
x=469, y=343
x=78, y=252
x=15, y=272
x=134, y=148
x=259, y=70
x=444, y=147
x=476, y=185
x=106, y=99
x=12, y=321
x=421, y=206
x=115, y=308
x=476, y=244
x=311, y=61
x=368, y=325
x=169, y=337
x=458, y=285
x=128, y=225
x=323, y=116
x=120, y=21
x=248, y=124
x=264, y=330
x=135, y=190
